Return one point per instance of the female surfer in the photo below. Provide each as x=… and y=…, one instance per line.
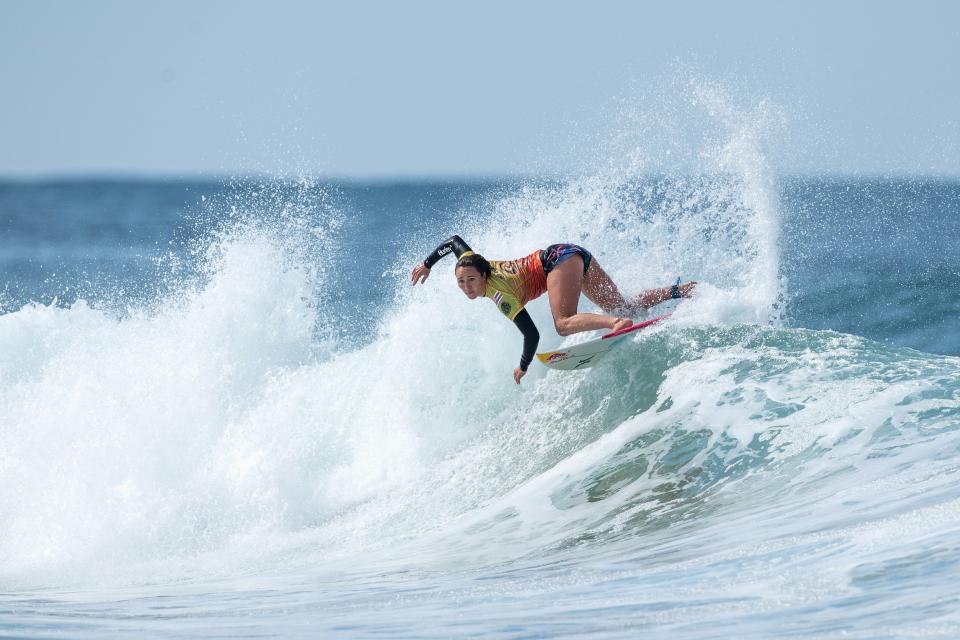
x=564, y=271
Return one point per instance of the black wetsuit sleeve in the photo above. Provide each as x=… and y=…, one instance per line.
x=531, y=337
x=453, y=243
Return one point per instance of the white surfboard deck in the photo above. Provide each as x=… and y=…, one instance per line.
x=587, y=354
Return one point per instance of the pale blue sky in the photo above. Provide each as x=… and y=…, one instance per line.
x=380, y=89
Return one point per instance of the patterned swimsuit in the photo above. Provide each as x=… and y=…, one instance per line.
x=514, y=283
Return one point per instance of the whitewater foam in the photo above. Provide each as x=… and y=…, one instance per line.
x=223, y=412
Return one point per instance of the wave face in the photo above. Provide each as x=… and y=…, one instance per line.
x=267, y=422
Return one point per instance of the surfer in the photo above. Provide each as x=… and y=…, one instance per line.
x=563, y=271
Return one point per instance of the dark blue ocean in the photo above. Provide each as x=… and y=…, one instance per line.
x=876, y=257
x=224, y=412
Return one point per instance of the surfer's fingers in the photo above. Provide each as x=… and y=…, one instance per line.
x=517, y=374
x=420, y=274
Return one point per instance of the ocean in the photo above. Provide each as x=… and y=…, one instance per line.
x=225, y=413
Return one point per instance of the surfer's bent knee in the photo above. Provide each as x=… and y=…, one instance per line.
x=562, y=326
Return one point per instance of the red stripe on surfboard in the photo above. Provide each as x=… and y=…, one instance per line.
x=635, y=327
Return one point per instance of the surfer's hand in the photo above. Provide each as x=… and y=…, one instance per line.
x=517, y=374
x=420, y=274
x=621, y=323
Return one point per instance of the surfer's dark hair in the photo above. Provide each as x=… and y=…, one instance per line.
x=476, y=261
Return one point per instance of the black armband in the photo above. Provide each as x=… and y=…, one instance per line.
x=531, y=337
x=454, y=243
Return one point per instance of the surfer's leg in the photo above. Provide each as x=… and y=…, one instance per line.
x=601, y=291
x=564, y=284
x=653, y=297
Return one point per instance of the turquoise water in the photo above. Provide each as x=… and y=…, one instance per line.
x=225, y=413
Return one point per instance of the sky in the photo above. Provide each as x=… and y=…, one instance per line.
x=421, y=88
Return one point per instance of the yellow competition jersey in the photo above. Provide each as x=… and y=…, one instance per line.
x=514, y=283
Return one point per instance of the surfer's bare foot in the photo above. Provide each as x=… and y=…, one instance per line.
x=686, y=289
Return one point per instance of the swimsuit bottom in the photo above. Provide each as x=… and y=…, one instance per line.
x=555, y=254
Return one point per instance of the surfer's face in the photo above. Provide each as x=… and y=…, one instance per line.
x=470, y=281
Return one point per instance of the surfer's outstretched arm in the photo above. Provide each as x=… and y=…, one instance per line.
x=454, y=243
x=531, y=338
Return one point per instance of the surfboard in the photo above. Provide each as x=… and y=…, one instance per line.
x=587, y=354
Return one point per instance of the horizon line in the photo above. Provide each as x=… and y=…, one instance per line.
x=414, y=178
